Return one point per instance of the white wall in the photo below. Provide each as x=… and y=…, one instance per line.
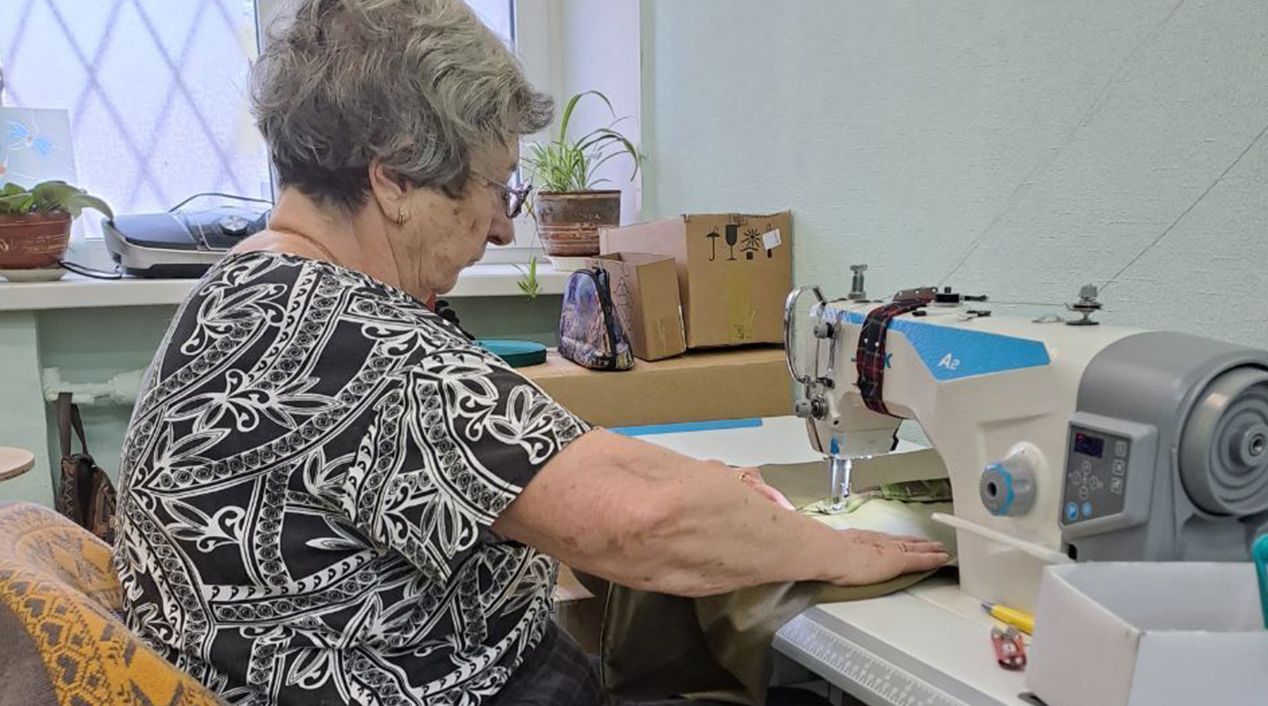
x=600, y=42
x=1062, y=137
x=595, y=46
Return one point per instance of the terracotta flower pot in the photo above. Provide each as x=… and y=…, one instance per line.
x=569, y=222
x=34, y=241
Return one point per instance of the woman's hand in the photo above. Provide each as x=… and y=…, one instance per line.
x=871, y=557
x=753, y=479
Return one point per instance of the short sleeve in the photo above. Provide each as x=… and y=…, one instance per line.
x=451, y=443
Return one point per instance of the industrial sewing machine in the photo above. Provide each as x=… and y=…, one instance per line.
x=1063, y=440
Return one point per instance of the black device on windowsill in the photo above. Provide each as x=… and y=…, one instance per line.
x=178, y=244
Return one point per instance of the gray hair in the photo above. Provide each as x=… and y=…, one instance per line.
x=419, y=85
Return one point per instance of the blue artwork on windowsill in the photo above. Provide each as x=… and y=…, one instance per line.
x=35, y=146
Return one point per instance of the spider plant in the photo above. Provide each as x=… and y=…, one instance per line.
x=47, y=198
x=528, y=281
x=565, y=164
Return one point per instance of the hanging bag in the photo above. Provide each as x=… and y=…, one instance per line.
x=86, y=494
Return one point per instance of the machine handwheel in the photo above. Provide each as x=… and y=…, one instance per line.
x=1224, y=449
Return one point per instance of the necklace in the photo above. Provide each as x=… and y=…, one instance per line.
x=325, y=251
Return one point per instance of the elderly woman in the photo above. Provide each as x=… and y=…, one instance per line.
x=329, y=494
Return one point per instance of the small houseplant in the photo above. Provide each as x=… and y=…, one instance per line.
x=567, y=208
x=35, y=226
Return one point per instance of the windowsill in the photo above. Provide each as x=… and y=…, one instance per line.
x=77, y=292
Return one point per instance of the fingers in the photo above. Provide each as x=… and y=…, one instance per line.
x=919, y=546
x=774, y=496
x=913, y=554
x=753, y=479
x=913, y=562
x=912, y=538
x=875, y=557
x=906, y=542
x=767, y=491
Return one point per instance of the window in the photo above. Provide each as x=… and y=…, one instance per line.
x=507, y=20
x=157, y=92
x=499, y=16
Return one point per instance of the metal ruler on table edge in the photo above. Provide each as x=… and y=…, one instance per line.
x=861, y=672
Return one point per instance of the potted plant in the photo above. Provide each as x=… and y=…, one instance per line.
x=567, y=208
x=35, y=227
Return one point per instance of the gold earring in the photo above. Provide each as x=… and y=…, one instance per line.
x=401, y=216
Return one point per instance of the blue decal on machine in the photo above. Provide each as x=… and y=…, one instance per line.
x=952, y=353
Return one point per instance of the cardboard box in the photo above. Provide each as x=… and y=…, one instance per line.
x=1149, y=634
x=734, y=272
x=645, y=294
x=696, y=387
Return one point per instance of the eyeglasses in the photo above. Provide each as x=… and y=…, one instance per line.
x=513, y=197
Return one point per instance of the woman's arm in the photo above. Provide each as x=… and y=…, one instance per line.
x=646, y=517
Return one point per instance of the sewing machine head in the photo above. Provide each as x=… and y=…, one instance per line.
x=1060, y=438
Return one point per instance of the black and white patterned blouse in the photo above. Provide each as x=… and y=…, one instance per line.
x=307, y=486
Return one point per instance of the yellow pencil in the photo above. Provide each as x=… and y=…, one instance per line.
x=1011, y=616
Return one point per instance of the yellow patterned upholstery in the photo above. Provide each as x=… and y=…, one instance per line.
x=58, y=635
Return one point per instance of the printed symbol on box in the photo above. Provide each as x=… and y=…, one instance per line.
x=622, y=294
x=713, y=244
x=1120, y=448
x=623, y=291
x=1087, y=509
x=1116, y=486
x=949, y=362
x=752, y=243
x=1086, y=466
x=732, y=237
x=1084, y=493
x=1072, y=511
x=1120, y=467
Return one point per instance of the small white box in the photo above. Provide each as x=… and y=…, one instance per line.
x=1149, y=634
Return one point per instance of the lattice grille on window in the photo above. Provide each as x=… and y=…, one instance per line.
x=155, y=88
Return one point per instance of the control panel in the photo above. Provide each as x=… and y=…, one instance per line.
x=1095, y=475
x=1109, y=475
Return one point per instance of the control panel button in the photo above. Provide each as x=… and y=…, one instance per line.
x=1120, y=467
x=1087, y=509
x=1084, y=493
x=1120, y=449
x=1095, y=483
x=1086, y=466
x=1072, y=511
x=1116, y=486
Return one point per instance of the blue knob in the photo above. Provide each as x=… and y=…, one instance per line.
x=1007, y=488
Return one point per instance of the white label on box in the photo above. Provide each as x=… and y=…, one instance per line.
x=771, y=240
